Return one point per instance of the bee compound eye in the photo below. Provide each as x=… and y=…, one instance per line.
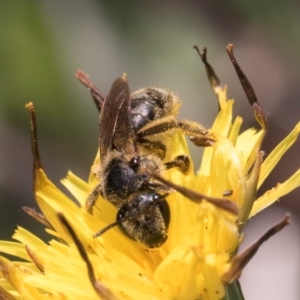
x=165, y=212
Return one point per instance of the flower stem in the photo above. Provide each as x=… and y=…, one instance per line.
x=234, y=291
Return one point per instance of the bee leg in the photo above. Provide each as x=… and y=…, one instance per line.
x=92, y=198
x=200, y=136
x=156, y=147
x=162, y=125
x=182, y=162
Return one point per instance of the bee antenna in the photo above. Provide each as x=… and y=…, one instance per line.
x=100, y=232
x=111, y=225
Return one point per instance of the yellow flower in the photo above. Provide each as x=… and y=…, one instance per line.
x=197, y=261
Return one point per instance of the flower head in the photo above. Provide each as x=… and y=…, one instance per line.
x=208, y=214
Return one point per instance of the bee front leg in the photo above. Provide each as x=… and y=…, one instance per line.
x=182, y=162
x=92, y=198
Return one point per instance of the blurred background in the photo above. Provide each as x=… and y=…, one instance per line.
x=42, y=43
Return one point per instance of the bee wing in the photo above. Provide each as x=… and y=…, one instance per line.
x=116, y=131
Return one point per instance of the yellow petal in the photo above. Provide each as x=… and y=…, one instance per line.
x=77, y=187
x=272, y=159
x=275, y=193
x=13, y=248
x=222, y=123
x=235, y=129
x=15, y=274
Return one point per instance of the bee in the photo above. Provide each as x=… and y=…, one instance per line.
x=143, y=213
x=129, y=142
